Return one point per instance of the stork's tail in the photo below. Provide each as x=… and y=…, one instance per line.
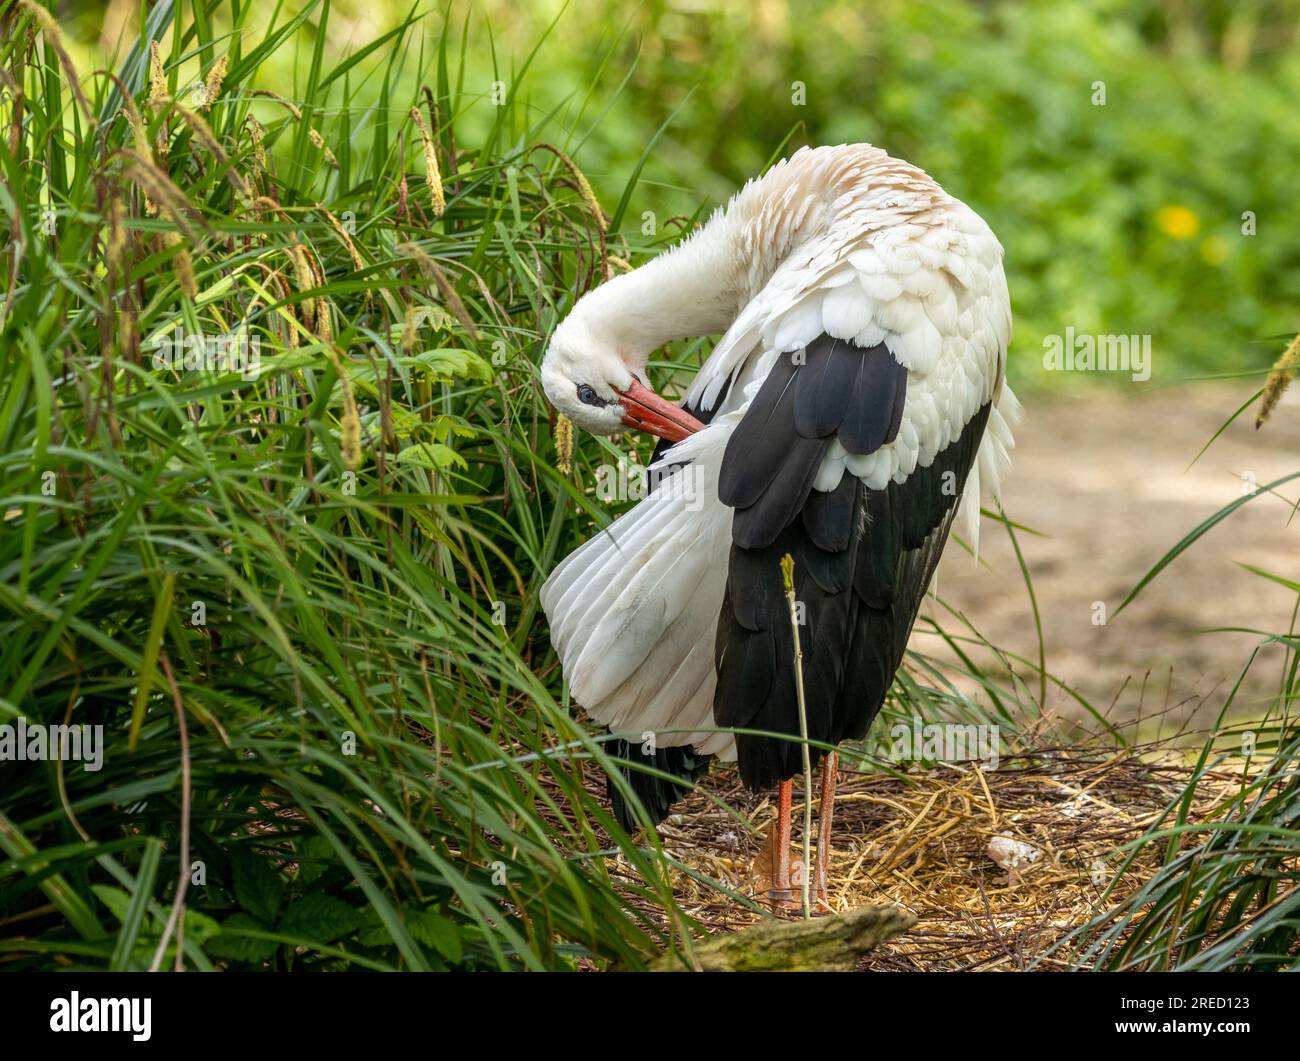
x=984, y=483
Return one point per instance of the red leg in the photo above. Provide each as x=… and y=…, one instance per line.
x=781, y=895
x=830, y=768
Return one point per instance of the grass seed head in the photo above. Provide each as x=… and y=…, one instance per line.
x=432, y=173
x=141, y=139
x=53, y=34
x=1284, y=370
x=585, y=191
x=350, y=431
x=563, y=444
x=358, y=263
x=408, y=330
x=258, y=133
x=157, y=78
x=184, y=266
x=350, y=421
x=212, y=86
x=116, y=234
x=319, y=142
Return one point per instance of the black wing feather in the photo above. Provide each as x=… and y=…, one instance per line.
x=824, y=386
x=828, y=515
x=899, y=561
x=655, y=794
x=863, y=558
x=753, y=457
x=757, y=526
x=870, y=424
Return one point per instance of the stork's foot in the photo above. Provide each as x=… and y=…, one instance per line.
x=779, y=870
x=819, y=896
x=825, y=812
x=790, y=900
x=786, y=877
x=821, y=903
x=781, y=895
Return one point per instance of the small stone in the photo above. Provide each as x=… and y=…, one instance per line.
x=1012, y=855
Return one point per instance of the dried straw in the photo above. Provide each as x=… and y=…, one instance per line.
x=921, y=841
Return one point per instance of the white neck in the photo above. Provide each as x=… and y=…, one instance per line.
x=689, y=291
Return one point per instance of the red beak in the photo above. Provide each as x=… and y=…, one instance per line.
x=644, y=410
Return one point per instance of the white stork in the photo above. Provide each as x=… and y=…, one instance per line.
x=853, y=409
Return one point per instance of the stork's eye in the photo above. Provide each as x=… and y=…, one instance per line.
x=588, y=396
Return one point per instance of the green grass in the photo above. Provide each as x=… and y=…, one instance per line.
x=1224, y=896
x=331, y=567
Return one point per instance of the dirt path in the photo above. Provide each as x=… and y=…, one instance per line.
x=1104, y=478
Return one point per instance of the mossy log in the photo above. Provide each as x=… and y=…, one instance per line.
x=824, y=944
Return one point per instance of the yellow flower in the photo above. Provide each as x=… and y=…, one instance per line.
x=1177, y=222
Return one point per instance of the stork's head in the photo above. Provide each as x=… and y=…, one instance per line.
x=599, y=385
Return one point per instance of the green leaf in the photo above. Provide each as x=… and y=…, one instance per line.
x=443, y=427
x=115, y=899
x=149, y=659
x=436, y=931
x=433, y=455
x=138, y=908
x=314, y=858
x=199, y=928
x=259, y=887
x=446, y=364
x=231, y=943
x=321, y=918
x=374, y=933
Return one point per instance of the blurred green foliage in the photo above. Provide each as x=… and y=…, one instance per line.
x=1118, y=218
